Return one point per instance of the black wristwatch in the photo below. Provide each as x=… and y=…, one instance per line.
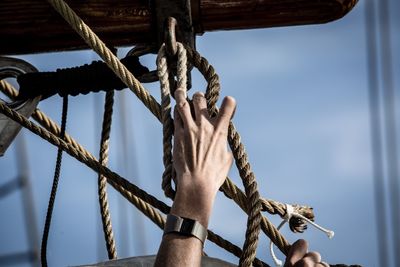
x=185, y=226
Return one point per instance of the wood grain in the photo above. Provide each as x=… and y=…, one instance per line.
x=32, y=26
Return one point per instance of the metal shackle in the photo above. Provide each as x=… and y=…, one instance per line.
x=11, y=68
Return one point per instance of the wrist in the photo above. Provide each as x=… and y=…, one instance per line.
x=193, y=205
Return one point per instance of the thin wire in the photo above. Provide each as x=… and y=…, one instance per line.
x=53, y=193
x=376, y=135
x=390, y=124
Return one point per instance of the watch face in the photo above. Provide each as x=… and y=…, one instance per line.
x=187, y=226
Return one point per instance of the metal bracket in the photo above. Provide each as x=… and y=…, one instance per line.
x=181, y=11
x=11, y=68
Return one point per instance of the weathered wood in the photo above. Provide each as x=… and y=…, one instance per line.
x=32, y=26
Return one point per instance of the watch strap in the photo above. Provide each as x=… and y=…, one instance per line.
x=185, y=226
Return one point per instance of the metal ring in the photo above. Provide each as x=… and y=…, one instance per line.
x=170, y=37
x=11, y=68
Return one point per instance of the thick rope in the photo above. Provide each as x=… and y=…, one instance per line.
x=102, y=180
x=255, y=217
x=166, y=119
x=53, y=193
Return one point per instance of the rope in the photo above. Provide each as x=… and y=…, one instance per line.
x=166, y=120
x=93, y=77
x=53, y=192
x=291, y=213
x=102, y=180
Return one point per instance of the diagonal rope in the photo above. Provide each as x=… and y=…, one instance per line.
x=53, y=193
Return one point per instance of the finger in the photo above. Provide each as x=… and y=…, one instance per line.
x=183, y=107
x=313, y=256
x=226, y=112
x=296, y=252
x=322, y=264
x=200, y=106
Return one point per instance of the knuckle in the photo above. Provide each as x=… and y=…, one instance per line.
x=182, y=105
x=198, y=96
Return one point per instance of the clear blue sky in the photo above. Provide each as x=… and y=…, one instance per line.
x=302, y=113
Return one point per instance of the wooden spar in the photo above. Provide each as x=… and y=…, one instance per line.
x=32, y=26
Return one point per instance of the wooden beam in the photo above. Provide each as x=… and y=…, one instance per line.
x=32, y=26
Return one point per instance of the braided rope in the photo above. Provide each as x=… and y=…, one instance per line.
x=102, y=180
x=166, y=119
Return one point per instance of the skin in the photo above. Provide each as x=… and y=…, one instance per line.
x=202, y=161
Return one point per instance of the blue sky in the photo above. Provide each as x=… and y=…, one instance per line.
x=302, y=113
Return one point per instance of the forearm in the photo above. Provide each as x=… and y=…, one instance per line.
x=177, y=250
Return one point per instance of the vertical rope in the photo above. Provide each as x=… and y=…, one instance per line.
x=102, y=180
x=53, y=192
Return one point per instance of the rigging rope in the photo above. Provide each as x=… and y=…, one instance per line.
x=53, y=193
x=102, y=180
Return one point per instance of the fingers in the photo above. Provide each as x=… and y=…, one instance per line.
x=226, y=112
x=296, y=252
x=183, y=107
x=200, y=106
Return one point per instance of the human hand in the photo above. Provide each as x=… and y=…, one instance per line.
x=299, y=256
x=200, y=155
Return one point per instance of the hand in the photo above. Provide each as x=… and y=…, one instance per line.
x=300, y=257
x=200, y=155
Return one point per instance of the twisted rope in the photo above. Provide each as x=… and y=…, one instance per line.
x=166, y=119
x=102, y=180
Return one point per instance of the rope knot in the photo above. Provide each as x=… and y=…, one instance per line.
x=290, y=215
